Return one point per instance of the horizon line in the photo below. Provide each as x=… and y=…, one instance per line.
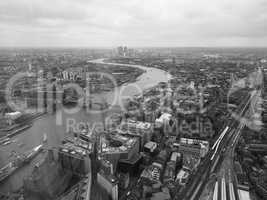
x=129, y=46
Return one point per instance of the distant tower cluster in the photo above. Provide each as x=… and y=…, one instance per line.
x=124, y=51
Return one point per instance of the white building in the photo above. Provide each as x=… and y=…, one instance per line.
x=198, y=148
x=10, y=117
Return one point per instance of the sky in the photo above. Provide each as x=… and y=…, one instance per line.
x=135, y=23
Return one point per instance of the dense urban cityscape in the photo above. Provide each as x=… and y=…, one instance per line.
x=195, y=131
x=133, y=100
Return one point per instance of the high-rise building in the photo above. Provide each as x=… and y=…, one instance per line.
x=130, y=165
x=109, y=183
x=120, y=51
x=123, y=51
x=116, y=147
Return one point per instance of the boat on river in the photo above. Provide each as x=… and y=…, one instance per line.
x=19, y=162
x=45, y=138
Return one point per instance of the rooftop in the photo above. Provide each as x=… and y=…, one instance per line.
x=116, y=143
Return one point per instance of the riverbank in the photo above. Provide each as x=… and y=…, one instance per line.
x=56, y=132
x=20, y=125
x=135, y=61
x=102, y=76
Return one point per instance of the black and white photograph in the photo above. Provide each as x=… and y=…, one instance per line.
x=133, y=100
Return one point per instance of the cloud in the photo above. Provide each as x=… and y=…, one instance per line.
x=133, y=22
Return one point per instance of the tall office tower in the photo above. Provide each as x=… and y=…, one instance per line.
x=108, y=183
x=120, y=50
x=125, y=51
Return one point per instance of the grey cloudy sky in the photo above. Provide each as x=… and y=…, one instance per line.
x=92, y=23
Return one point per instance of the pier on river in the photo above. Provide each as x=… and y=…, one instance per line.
x=56, y=131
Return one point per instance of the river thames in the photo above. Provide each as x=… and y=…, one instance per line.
x=57, y=131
